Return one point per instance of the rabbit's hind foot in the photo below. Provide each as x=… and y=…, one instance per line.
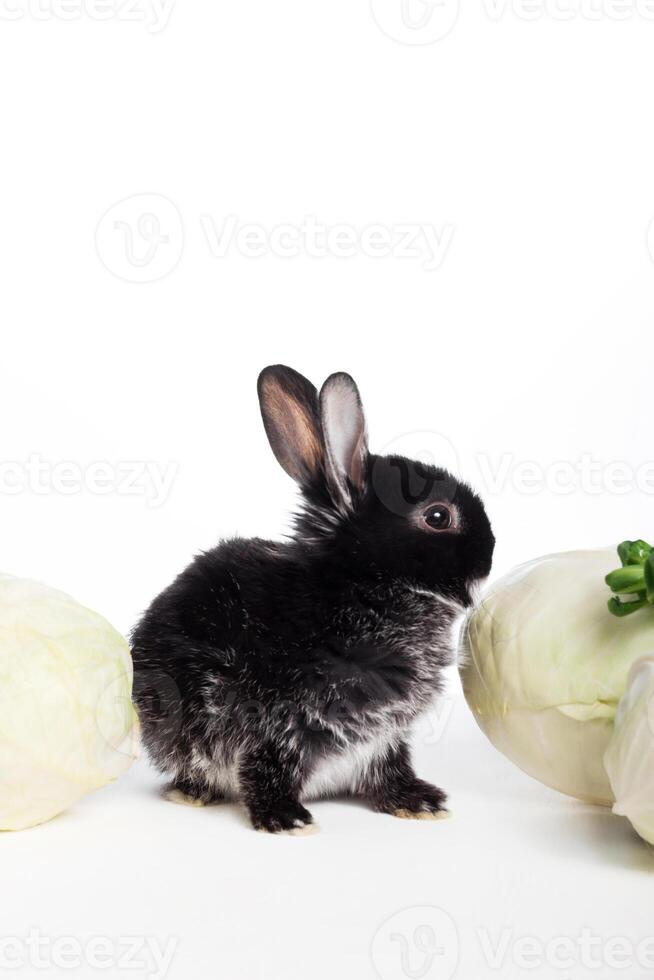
x=189, y=794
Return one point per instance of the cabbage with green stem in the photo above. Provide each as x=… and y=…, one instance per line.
x=544, y=662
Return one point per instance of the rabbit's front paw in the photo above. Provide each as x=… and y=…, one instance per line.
x=288, y=817
x=415, y=801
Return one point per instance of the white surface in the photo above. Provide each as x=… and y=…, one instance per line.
x=514, y=856
x=526, y=144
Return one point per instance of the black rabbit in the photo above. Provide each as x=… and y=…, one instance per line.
x=278, y=672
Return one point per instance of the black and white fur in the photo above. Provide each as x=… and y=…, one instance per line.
x=274, y=673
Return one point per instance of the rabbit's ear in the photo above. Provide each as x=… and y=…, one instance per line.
x=344, y=434
x=289, y=407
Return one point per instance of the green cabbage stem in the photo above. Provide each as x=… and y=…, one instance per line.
x=635, y=579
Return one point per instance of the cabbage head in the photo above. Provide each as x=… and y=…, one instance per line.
x=67, y=725
x=629, y=758
x=544, y=665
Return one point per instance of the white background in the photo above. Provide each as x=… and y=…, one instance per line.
x=521, y=135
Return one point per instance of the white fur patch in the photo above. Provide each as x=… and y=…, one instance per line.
x=342, y=772
x=216, y=775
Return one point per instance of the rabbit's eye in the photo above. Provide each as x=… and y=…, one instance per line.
x=439, y=517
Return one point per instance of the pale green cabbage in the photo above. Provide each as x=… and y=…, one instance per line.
x=67, y=725
x=544, y=665
x=629, y=758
